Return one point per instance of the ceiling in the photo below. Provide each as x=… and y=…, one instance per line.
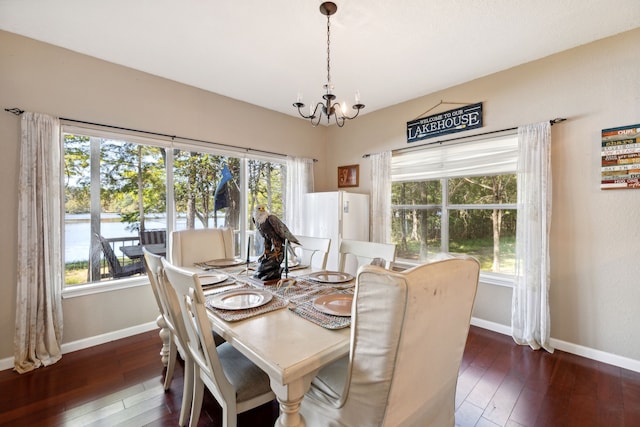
x=267, y=52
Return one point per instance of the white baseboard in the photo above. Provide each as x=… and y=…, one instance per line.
x=589, y=353
x=492, y=326
x=600, y=356
x=7, y=363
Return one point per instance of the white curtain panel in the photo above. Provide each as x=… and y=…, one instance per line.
x=381, y=197
x=530, y=319
x=299, y=183
x=38, y=334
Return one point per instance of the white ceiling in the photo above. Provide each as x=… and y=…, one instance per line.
x=266, y=52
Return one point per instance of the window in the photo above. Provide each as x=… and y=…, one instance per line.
x=458, y=198
x=117, y=186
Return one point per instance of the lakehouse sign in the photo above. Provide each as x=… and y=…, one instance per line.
x=458, y=120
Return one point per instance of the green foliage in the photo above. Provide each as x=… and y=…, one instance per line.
x=474, y=213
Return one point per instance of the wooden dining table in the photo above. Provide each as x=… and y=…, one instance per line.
x=289, y=348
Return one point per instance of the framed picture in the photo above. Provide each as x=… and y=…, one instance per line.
x=348, y=176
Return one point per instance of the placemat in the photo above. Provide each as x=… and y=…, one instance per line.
x=327, y=321
x=276, y=303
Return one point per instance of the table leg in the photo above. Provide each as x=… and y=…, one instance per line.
x=289, y=397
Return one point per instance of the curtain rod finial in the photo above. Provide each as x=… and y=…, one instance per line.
x=557, y=120
x=14, y=110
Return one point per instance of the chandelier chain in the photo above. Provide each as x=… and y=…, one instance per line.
x=328, y=51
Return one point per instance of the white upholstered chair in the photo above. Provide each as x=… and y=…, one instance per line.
x=190, y=246
x=355, y=253
x=172, y=332
x=235, y=382
x=408, y=335
x=313, y=251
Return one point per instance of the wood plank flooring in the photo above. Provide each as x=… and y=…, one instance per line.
x=500, y=384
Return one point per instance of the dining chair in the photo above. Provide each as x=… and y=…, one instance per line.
x=235, y=382
x=152, y=237
x=408, y=333
x=355, y=253
x=173, y=336
x=188, y=247
x=313, y=251
x=117, y=270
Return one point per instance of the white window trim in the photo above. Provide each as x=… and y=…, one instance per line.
x=74, y=291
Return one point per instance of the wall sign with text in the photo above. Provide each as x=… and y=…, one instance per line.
x=620, y=158
x=458, y=120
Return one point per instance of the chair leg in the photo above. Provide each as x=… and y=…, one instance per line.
x=198, y=394
x=229, y=415
x=171, y=363
x=187, y=393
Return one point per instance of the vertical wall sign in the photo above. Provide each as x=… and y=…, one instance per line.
x=621, y=158
x=458, y=120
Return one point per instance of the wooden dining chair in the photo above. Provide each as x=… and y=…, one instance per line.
x=171, y=333
x=313, y=251
x=235, y=382
x=355, y=253
x=188, y=247
x=408, y=334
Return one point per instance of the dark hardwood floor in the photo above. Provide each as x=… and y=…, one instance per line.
x=500, y=384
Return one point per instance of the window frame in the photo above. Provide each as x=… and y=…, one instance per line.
x=494, y=278
x=90, y=288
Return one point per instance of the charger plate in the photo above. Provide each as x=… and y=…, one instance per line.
x=212, y=278
x=226, y=262
x=330, y=277
x=335, y=304
x=240, y=299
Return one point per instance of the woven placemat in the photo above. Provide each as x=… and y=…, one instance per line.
x=327, y=321
x=276, y=303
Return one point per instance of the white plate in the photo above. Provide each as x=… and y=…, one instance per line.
x=335, y=304
x=212, y=278
x=240, y=299
x=330, y=277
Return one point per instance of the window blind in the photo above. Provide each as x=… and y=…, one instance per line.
x=497, y=155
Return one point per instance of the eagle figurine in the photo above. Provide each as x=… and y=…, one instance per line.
x=274, y=232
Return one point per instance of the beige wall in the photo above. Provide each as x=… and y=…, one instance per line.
x=42, y=78
x=595, y=241
x=595, y=276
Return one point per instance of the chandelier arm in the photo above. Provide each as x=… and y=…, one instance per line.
x=300, y=105
x=315, y=114
x=356, y=107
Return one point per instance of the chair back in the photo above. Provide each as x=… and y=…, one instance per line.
x=355, y=253
x=408, y=334
x=177, y=334
x=152, y=237
x=187, y=302
x=313, y=251
x=190, y=246
x=115, y=268
x=153, y=266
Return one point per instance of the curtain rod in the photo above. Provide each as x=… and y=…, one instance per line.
x=551, y=122
x=18, y=111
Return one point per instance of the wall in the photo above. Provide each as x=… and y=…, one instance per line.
x=595, y=234
x=42, y=78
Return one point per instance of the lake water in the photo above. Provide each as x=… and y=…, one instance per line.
x=77, y=232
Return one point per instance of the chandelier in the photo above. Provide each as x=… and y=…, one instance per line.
x=328, y=108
